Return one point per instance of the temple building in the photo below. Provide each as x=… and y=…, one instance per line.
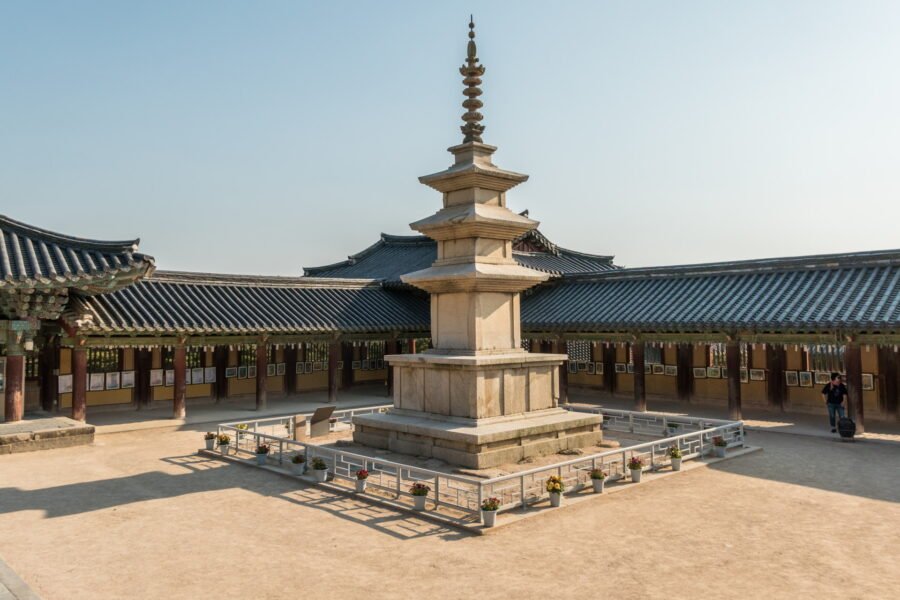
x=86, y=324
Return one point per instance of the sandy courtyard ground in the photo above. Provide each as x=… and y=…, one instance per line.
x=138, y=515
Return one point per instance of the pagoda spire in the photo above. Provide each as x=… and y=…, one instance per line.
x=472, y=73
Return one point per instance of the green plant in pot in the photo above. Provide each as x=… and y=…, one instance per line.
x=598, y=479
x=675, y=455
x=636, y=467
x=489, y=508
x=262, y=452
x=419, y=493
x=320, y=469
x=224, y=441
x=210, y=439
x=298, y=464
x=719, y=446
x=555, y=487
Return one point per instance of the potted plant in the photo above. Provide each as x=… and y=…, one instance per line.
x=361, y=476
x=674, y=453
x=720, y=445
x=298, y=464
x=598, y=478
x=241, y=427
x=262, y=451
x=636, y=466
x=210, y=439
x=489, y=510
x=556, y=487
x=224, y=440
x=420, y=494
x=320, y=469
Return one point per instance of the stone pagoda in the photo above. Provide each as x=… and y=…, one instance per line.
x=477, y=399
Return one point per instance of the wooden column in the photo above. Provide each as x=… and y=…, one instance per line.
x=563, y=348
x=179, y=365
x=48, y=358
x=14, y=395
x=888, y=380
x=411, y=346
x=733, y=363
x=609, y=368
x=390, y=347
x=347, y=358
x=262, y=363
x=334, y=355
x=79, y=383
x=640, y=389
x=853, y=364
x=776, y=386
x=684, y=360
x=143, y=361
x=220, y=362
x=290, y=369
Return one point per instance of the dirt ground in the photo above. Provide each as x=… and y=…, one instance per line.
x=139, y=515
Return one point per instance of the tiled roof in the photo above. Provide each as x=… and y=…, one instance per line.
x=35, y=258
x=395, y=255
x=197, y=303
x=859, y=291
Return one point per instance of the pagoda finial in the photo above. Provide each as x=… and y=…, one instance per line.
x=472, y=72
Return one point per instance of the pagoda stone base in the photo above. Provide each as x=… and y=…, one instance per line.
x=481, y=443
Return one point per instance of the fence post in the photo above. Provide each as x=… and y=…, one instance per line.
x=631, y=423
x=398, y=482
x=280, y=452
x=521, y=491
x=652, y=457
x=437, y=490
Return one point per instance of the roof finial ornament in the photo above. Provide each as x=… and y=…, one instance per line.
x=472, y=72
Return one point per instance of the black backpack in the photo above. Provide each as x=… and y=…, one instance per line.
x=846, y=427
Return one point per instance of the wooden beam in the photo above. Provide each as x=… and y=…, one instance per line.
x=733, y=363
x=776, y=386
x=14, y=394
x=179, y=365
x=143, y=362
x=79, y=383
x=888, y=380
x=640, y=390
x=684, y=361
x=853, y=364
x=290, y=369
x=262, y=363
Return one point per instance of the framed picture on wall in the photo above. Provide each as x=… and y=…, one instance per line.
x=582, y=366
x=317, y=366
x=823, y=377
x=699, y=372
x=127, y=381
x=209, y=374
x=298, y=368
x=621, y=368
x=251, y=372
x=242, y=372
x=658, y=369
x=356, y=364
x=672, y=370
x=170, y=377
x=757, y=374
x=868, y=381
x=365, y=365
x=629, y=368
x=340, y=365
x=230, y=372
x=806, y=378
x=572, y=366
x=280, y=369
x=64, y=385
x=308, y=367
x=648, y=369
x=156, y=378
x=590, y=368
x=791, y=379
x=270, y=370
x=187, y=377
x=96, y=381
x=724, y=372
x=714, y=372
x=745, y=376
x=196, y=376
x=598, y=368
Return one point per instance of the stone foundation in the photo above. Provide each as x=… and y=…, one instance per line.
x=482, y=443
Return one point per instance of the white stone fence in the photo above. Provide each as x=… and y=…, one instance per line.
x=694, y=436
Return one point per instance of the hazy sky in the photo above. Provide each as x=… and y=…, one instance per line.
x=261, y=137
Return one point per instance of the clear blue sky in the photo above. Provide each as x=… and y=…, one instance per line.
x=260, y=137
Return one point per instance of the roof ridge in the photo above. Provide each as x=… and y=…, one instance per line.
x=33, y=231
x=268, y=280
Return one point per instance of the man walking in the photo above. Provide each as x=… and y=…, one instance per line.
x=834, y=393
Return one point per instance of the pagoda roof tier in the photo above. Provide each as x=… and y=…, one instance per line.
x=474, y=220
x=475, y=277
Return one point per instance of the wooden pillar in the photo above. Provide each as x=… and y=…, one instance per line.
x=733, y=363
x=143, y=361
x=888, y=380
x=334, y=355
x=347, y=358
x=608, y=354
x=14, y=395
x=684, y=360
x=48, y=359
x=640, y=389
x=220, y=362
x=290, y=369
x=390, y=347
x=262, y=364
x=179, y=364
x=853, y=364
x=776, y=386
x=79, y=383
x=411, y=346
x=563, y=348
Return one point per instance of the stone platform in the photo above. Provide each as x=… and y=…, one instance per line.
x=481, y=443
x=43, y=433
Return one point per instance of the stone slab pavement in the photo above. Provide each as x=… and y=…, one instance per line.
x=12, y=587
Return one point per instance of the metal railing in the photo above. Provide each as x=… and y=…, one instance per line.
x=693, y=436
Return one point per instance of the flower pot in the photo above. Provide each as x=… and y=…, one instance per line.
x=489, y=517
x=555, y=499
x=210, y=444
x=720, y=451
x=676, y=464
x=261, y=459
x=636, y=475
x=419, y=502
x=298, y=468
x=598, y=485
x=361, y=485
x=321, y=475
x=223, y=448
